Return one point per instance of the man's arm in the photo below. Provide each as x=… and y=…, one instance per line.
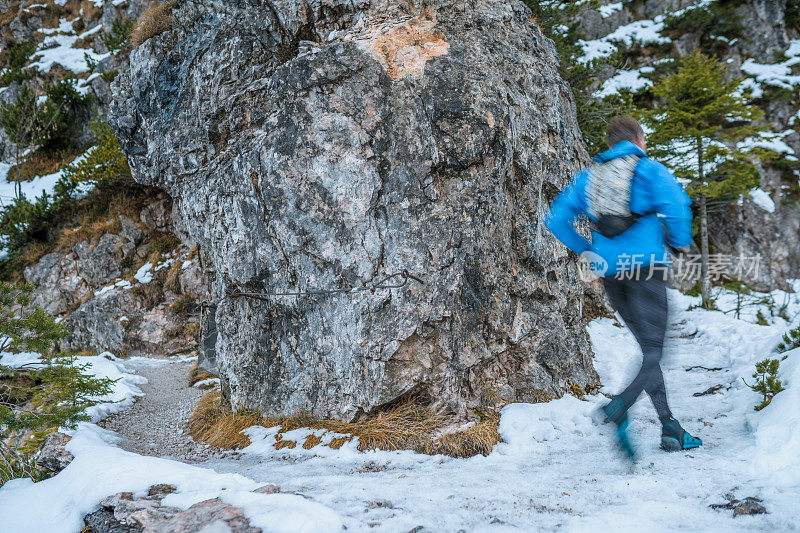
x=567, y=206
x=671, y=200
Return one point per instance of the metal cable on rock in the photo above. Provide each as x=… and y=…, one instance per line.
x=382, y=284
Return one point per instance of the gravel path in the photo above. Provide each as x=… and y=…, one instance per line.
x=155, y=424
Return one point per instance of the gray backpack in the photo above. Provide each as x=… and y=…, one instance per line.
x=608, y=195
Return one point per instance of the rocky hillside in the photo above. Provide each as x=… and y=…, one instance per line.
x=342, y=143
x=629, y=44
x=101, y=250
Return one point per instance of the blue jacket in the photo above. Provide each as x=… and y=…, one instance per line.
x=654, y=191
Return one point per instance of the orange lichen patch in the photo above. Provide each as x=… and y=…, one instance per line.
x=404, y=50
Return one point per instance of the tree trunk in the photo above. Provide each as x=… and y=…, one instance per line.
x=705, y=281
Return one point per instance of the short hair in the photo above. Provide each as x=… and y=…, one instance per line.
x=623, y=128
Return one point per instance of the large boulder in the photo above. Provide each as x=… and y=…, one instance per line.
x=327, y=144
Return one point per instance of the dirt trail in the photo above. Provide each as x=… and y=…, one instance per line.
x=155, y=424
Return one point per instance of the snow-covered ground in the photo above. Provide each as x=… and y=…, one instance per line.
x=556, y=469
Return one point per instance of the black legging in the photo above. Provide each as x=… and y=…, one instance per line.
x=642, y=303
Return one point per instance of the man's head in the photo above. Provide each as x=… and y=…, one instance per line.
x=625, y=129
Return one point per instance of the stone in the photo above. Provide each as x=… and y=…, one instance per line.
x=749, y=506
x=119, y=320
x=158, y=215
x=161, y=489
x=53, y=456
x=398, y=136
x=268, y=489
x=121, y=513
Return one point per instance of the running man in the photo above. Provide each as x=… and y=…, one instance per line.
x=638, y=210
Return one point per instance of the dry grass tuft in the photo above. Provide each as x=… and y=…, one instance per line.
x=156, y=19
x=172, y=281
x=409, y=425
x=477, y=439
x=197, y=374
x=91, y=227
x=215, y=425
x=41, y=164
x=184, y=303
x=89, y=231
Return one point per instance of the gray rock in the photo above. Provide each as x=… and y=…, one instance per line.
x=121, y=321
x=193, y=281
x=428, y=139
x=749, y=506
x=100, y=323
x=121, y=513
x=158, y=215
x=53, y=456
x=206, y=353
x=100, y=262
x=60, y=286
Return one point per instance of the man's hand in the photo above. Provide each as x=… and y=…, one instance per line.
x=681, y=250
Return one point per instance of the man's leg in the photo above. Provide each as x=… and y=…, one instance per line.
x=642, y=303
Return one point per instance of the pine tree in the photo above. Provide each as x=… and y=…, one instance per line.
x=767, y=382
x=699, y=119
x=790, y=340
x=38, y=397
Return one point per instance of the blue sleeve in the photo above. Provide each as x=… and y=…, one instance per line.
x=670, y=200
x=566, y=208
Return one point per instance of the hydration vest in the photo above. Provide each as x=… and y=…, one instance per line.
x=608, y=195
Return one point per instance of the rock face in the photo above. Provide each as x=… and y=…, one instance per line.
x=312, y=145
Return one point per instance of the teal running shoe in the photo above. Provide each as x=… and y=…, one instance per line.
x=674, y=438
x=614, y=411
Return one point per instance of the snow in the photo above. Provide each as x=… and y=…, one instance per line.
x=777, y=427
x=165, y=264
x=17, y=360
x=57, y=48
x=118, y=284
x=762, y=200
x=770, y=140
x=124, y=390
x=609, y=9
x=31, y=189
x=755, y=88
x=91, y=31
x=100, y=469
x=596, y=49
x=144, y=274
x=640, y=31
x=37, y=186
x=206, y=383
x=556, y=469
x=525, y=426
x=779, y=74
x=625, y=79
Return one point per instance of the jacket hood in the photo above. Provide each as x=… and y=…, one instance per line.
x=621, y=149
